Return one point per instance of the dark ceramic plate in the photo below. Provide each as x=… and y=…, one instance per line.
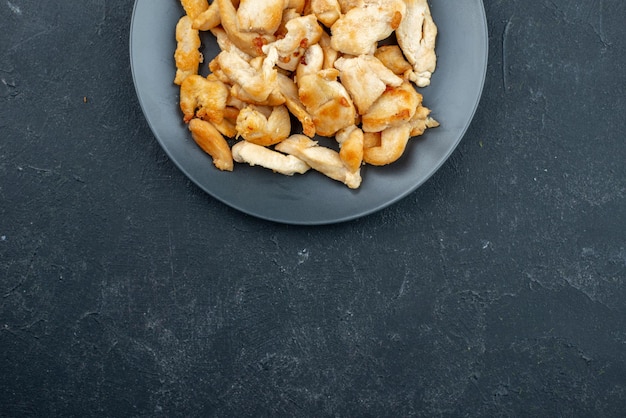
x=312, y=198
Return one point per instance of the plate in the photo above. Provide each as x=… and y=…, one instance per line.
x=313, y=199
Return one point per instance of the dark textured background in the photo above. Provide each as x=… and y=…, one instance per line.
x=496, y=289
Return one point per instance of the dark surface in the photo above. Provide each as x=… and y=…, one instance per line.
x=496, y=289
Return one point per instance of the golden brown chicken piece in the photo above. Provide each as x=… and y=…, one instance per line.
x=326, y=11
x=253, y=154
x=212, y=142
x=391, y=56
x=208, y=19
x=260, y=16
x=302, y=31
x=417, y=35
x=346, y=5
x=392, y=145
x=263, y=125
x=226, y=127
x=288, y=14
x=395, y=106
x=350, y=140
x=322, y=159
x=366, y=79
x=187, y=55
x=289, y=91
x=274, y=99
x=203, y=98
x=312, y=61
x=421, y=121
x=371, y=139
x=225, y=44
x=296, y=5
x=257, y=84
x=193, y=8
x=327, y=101
x=330, y=54
x=248, y=42
x=358, y=31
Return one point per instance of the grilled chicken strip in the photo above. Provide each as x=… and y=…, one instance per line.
x=253, y=154
x=322, y=159
x=416, y=35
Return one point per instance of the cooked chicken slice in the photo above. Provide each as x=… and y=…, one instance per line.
x=257, y=84
x=312, y=61
x=288, y=14
x=326, y=11
x=416, y=35
x=392, y=145
x=203, y=98
x=391, y=56
x=301, y=32
x=235, y=104
x=226, y=128
x=330, y=54
x=253, y=154
x=227, y=125
x=322, y=159
x=260, y=16
x=231, y=112
x=347, y=5
x=297, y=5
x=226, y=44
x=395, y=106
x=358, y=31
x=289, y=91
x=327, y=101
x=187, y=55
x=351, y=147
x=248, y=42
x=264, y=125
x=212, y=142
x=366, y=79
x=193, y=8
x=208, y=19
x=274, y=99
x=421, y=121
x=371, y=139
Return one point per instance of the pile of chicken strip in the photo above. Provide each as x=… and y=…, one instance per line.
x=329, y=63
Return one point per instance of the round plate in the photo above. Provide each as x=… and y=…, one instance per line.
x=312, y=198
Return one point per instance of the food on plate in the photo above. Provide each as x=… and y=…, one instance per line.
x=253, y=154
x=187, y=56
x=263, y=125
x=194, y=8
x=212, y=142
x=260, y=16
x=391, y=56
x=327, y=101
x=358, y=31
x=350, y=141
x=322, y=159
x=417, y=34
x=366, y=78
x=392, y=144
x=208, y=19
x=258, y=81
x=302, y=31
x=328, y=85
x=394, y=107
x=248, y=42
x=326, y=11
x=203, y=97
